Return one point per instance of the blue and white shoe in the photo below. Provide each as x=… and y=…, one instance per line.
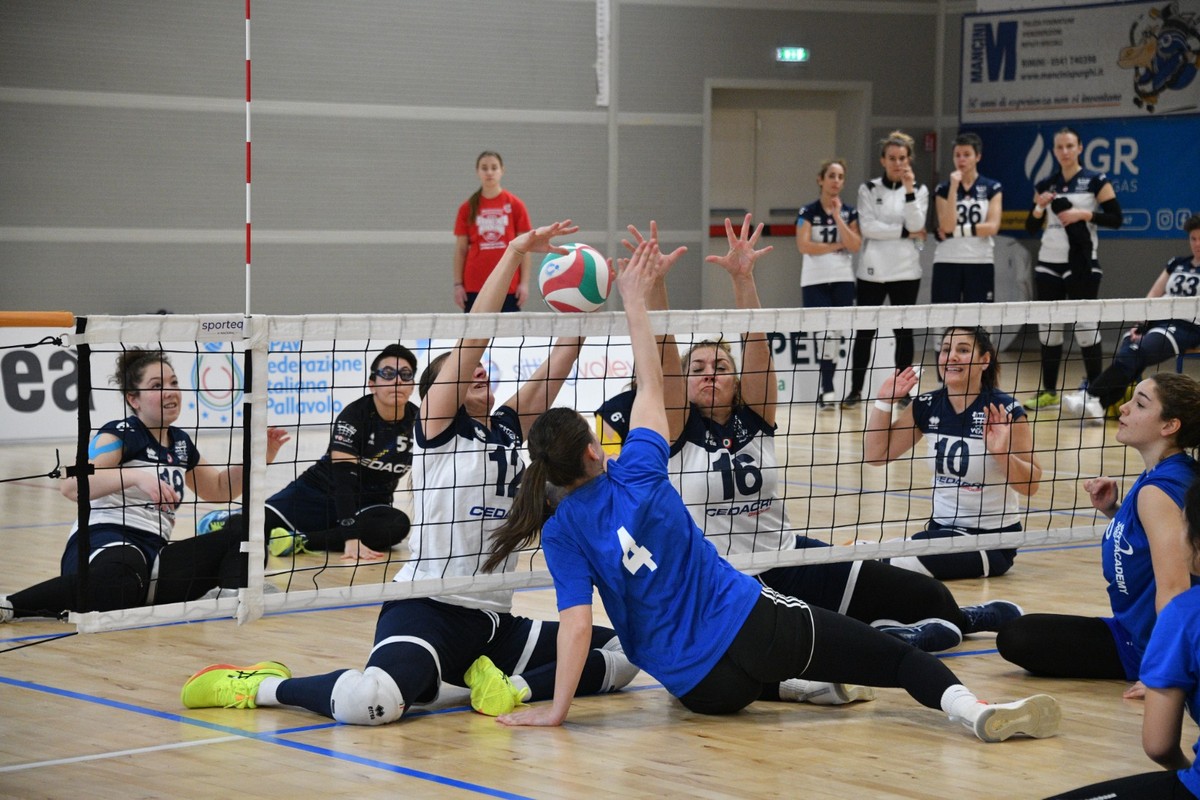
x=931, y=635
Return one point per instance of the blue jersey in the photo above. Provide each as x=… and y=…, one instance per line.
x=1172, y=661
x=970, y=491
x=675, y=603
x=1125, y=551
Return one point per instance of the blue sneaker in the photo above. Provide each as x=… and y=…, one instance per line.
x=212, y=521
x=931, y=635
x=990, y=615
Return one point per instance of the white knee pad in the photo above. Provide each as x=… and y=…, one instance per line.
x=366, y=698
x=618, y=669
x=1087, y=334
x=1050, y=335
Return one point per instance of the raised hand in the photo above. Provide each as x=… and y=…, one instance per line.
x=668, y=258
x=636, y=279
x=898, y=385
x=538, y=239
x=739, y=261
x=997, y=429
x=276, y=438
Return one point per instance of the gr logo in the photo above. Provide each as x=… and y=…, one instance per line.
x=26, y=380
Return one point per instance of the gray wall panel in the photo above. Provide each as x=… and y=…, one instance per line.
x=666, y=54
x=486, y=53
x=194, y=48
x=123, y=168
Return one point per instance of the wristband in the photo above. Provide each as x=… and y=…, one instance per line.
x=882, y=406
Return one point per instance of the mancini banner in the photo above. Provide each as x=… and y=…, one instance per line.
x=1084, y=62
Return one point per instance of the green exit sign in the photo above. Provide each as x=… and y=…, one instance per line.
x=791, y=55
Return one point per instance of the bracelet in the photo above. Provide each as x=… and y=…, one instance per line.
x=882, y=406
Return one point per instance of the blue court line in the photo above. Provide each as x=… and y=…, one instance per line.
x=271, y=738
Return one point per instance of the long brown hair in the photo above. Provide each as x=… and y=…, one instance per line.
x=473, y=202
x=557, y=441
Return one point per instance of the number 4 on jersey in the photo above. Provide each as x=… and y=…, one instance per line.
x=633, y=556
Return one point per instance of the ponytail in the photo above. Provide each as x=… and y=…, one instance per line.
x=524, y=521
x=557, y=442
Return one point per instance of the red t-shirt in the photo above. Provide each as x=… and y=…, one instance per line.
x=499, y=220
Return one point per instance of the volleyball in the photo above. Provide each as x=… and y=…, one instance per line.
x=578, y=280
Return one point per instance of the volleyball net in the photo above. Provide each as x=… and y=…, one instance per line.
x=242, y=375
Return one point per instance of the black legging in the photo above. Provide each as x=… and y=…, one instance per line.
x=1061, y=646
x=119, y=577
x=901, y=293
x=784, y=638
x=378, y=527
x=1160, y=785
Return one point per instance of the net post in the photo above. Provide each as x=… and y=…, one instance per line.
x=83, y=467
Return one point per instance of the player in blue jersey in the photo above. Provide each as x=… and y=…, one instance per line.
x=827, y=236
x=465, y=474
x=1144, y=557
x=980, y=449
x=144, y=468
x=968, y=207
x=715, y=638
x=343, y=502
x=1070, y=204
x=721, y=425
x=1171, y=673
x=1150, y=342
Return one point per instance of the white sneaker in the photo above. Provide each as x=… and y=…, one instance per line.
x=820, y=693
x=1038, y=717
x=827, y=401
x=1092, y=410
x=1073, y=403
x=6, y=609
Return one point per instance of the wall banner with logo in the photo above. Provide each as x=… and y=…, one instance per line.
x=1143, y=158
x=1084, y=62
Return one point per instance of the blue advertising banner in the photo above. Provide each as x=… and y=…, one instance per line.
x=1152, y=164
x=1081, y=62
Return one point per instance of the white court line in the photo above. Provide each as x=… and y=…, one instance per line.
x=118, y=753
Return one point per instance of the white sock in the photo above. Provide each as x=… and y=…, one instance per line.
x=798, y=690
x=961, y=704
x=266, y=692
x=519, y=683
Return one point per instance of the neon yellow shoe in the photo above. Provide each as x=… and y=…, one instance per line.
x=227, y=686
x=1042, y=400
x=492, y=692
x=285, y=543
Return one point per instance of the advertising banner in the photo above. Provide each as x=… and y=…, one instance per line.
x=1084, y=62
x=1143, y=158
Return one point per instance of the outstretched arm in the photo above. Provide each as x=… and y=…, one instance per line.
x=636, y=282
x=443, y=399
x=759, y=389
x=674, y=379
x=884, y=439
x=574, y=643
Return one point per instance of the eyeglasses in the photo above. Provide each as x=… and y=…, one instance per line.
x=391, y=373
